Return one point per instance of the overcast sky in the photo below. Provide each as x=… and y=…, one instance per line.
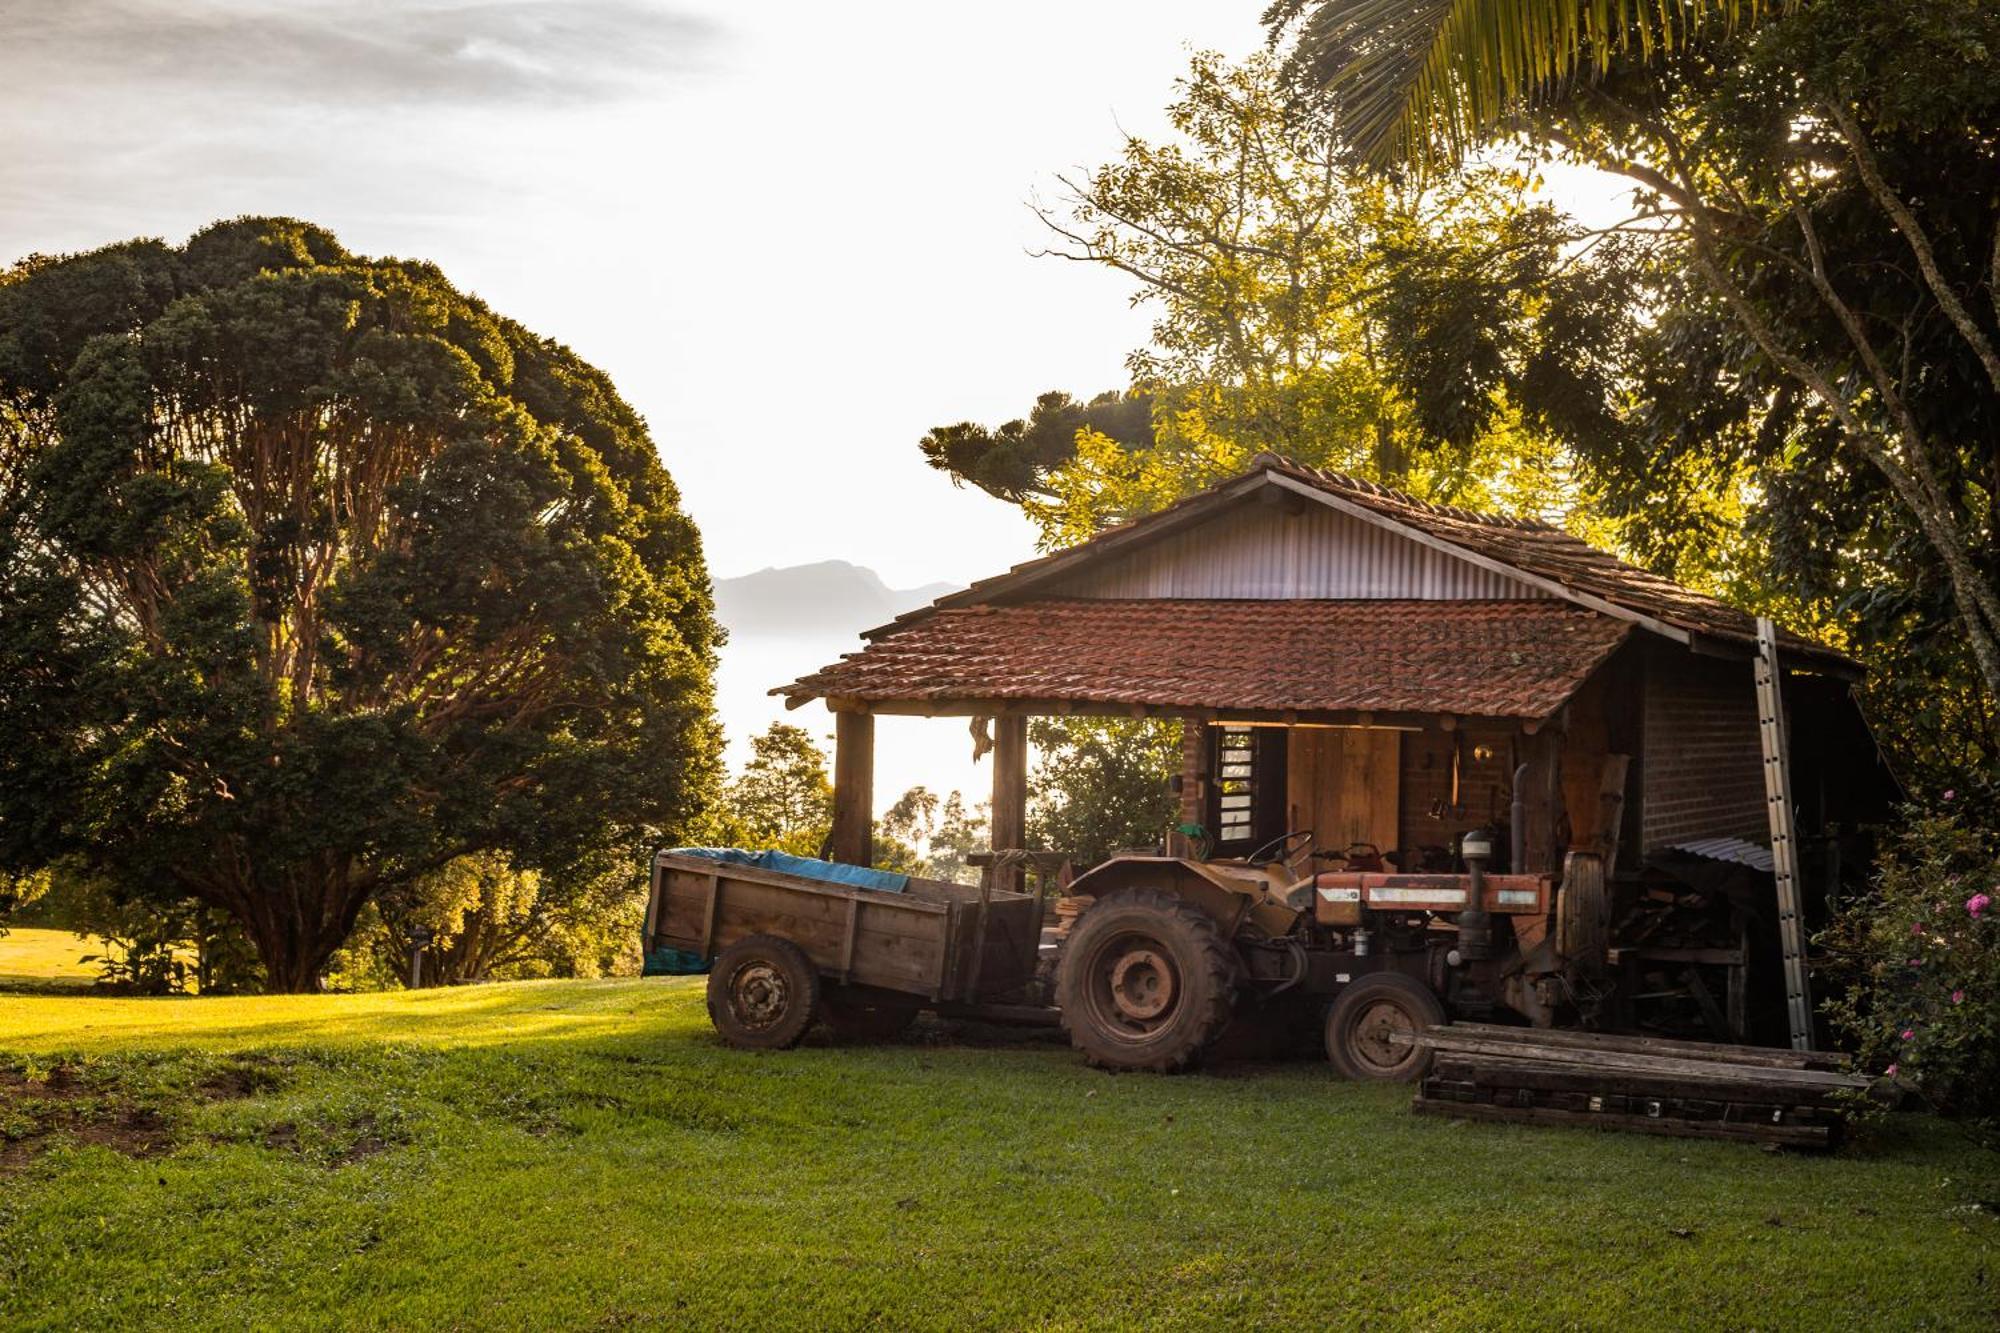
x=795, y=234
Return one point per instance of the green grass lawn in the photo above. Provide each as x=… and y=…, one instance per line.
x=585, y=1154
x=45, y=960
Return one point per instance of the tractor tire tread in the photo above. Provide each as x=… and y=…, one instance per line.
x=1217, y=988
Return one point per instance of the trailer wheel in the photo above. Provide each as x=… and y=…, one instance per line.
x=763, y=993
x=1372, y=1028
x=1146, y=981
x=859, y=1015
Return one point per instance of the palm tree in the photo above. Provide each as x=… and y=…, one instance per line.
x=1410, y=79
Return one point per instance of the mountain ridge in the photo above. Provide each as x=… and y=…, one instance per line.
x=816, y=598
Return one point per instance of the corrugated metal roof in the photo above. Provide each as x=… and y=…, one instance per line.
x=1743, y=853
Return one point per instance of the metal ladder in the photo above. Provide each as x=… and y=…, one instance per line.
x=1784, y=847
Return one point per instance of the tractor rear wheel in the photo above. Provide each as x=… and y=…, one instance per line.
x=1146, y=981
x=1373, y=1026
x=763, y=993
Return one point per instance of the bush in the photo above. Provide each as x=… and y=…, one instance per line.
x=1919, y=958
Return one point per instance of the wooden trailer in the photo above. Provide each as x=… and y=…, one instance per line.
x=786, y=950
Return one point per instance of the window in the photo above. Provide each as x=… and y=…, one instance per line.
x=1246, y=788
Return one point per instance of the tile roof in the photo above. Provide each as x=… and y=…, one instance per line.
x=1571, y=565
x=1477, y=658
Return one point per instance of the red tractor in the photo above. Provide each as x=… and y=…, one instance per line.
x=1172, y=950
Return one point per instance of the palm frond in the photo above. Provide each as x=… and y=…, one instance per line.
x=1412, y=77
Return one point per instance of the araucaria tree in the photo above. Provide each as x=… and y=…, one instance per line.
x=316, y=574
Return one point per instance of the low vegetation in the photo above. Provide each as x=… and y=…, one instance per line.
x=562, y=1154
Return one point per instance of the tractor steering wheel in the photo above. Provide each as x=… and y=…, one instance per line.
x=1280, y=848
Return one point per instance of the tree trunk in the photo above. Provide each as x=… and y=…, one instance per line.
x=296, y=929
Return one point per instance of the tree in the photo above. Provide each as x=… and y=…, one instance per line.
x=1809, y=172
x=1306, y=305
x=923, y=835
x=488, y=920
x=783, y=798
x=1436, y=78
x=316, y=576
x=1101, y=784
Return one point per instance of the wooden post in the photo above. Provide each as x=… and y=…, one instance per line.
x=1010, y=795
x=854, y=788
x=1194, y=790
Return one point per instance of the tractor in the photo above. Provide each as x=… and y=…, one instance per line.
x=1172, y=950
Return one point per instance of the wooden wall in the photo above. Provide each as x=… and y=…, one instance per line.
x=1344, y=785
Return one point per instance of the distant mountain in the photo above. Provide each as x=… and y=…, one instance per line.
x=832, y=596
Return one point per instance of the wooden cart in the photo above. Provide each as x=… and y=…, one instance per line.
x=786, y=950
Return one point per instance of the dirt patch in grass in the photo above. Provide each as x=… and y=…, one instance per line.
x=44, y=1108
x=37, y=1114
x=352, y=1141
x=249, y=1077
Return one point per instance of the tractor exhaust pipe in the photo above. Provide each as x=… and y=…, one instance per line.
x=1475, y=923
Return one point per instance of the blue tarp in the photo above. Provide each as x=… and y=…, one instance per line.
x=833, y=872
x=685, y=962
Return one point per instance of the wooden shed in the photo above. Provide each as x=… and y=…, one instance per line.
x=1380, y=670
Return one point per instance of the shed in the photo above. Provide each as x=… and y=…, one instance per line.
x=1355, y=661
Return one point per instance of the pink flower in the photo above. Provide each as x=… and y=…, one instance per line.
x=1909, y=1033
x=1916, y=927
x=1890, y=1072
x=1958, y=997
x=1949, y=794
x=1977, y=903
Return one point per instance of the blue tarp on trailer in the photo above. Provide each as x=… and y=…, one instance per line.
x=685, y=962
x=833, y=872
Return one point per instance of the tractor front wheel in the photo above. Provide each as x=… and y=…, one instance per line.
x=1373, y=1027
x=1146, y=981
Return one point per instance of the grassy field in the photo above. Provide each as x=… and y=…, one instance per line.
x=584, y=1154
x=45, y=960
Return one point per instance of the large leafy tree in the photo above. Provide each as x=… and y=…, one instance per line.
x=1436, y=337
x=1815, y=184
x=317, y=575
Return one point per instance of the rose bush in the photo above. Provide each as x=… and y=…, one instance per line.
x=1918, y=964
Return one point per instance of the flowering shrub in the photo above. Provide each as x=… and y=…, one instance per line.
x=1919, y=959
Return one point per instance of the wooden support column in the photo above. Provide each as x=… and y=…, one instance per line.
x=1010, y=795
x=1193, y=784
x=854, y=788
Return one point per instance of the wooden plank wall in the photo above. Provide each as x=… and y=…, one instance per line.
x=1344, y=784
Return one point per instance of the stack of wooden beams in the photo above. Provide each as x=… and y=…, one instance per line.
x=1068, y=909
x=1651, y=1085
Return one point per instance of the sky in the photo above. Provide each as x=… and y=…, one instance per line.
x=796, y=235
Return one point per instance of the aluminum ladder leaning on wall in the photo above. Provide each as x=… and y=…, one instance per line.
x=1784, y=846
